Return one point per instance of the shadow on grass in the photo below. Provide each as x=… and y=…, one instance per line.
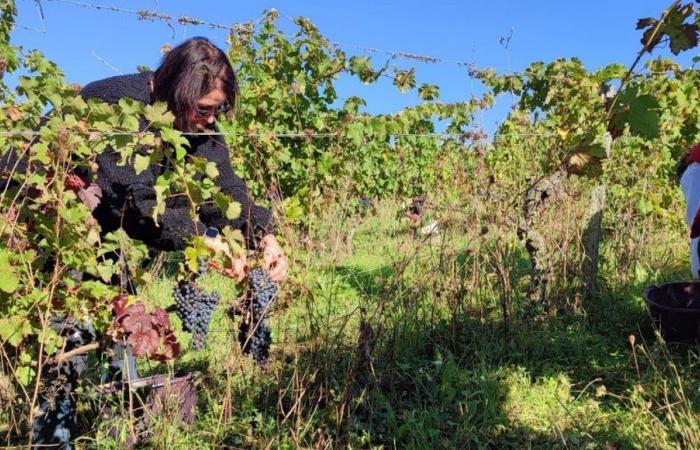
x=452, y=382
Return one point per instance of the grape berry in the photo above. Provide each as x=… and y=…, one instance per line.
x=254, y=333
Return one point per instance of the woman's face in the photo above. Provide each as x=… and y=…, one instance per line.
x=208, y=107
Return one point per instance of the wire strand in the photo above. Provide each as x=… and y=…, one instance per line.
x=170, y=19
x=31, y=133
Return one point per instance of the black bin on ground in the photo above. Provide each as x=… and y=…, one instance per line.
x=675, y=310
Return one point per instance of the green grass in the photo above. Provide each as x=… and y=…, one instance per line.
x=438, y=368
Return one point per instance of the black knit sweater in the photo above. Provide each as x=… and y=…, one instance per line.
x=128, y=199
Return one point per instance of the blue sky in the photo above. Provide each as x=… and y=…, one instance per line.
x=89, y=44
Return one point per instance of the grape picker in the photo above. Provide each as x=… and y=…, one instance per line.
x=197, y=82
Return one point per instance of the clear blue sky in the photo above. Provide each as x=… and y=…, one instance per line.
x=89, y=44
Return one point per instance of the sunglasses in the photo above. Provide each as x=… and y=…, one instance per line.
x=203, y=112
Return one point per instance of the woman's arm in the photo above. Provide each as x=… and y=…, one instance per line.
x=254, y=221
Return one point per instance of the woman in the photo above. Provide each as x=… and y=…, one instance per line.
x=197, y=82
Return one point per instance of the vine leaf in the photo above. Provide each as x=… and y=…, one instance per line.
x=177, y=140
x=141, y=163
x=158, y=115
x=13, y=329
x=428, y=92
x=640, y=112
x=230, y=208
x=91, y=196
x=682, y=36
x=8, y=278
x=405, y=80
x=148, y=334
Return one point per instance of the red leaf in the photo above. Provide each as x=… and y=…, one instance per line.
x=170, y=348
x=136, y=321
x=91, y=196
x=160, y=318
x=149, y=334
x=143, y=343
x=118, y=304
x=74, y=182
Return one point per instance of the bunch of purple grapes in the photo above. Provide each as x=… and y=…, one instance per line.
x=56, y=424
x=195, y=307
x=254, y=333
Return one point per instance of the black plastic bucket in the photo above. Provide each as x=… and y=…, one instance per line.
x=675, y=310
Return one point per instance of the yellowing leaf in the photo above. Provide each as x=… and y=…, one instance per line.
x=158, y=115
x=141, y=163
x=8, y=276
x=233, y=211
x=230, y=208
x=13, y=329
x=211, y=170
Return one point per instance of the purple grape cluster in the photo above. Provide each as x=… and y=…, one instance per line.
x=203, y=266
x=254, y=333
x=56, y=424
x=194, y=307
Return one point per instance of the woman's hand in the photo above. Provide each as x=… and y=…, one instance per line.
x=273, y=258
x=239, y=264
x=238, y=268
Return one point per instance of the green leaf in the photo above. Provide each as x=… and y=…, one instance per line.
x=361, y=67
x=40, y=152
x=74, y=215
x=52, y=341
x=8, y=276
x=230, y=208
x=428, y=92
x=141, y=163
x=354, y=132
x=158, y=115
x=97, y=290
x=177, y=140
x=130, y=107
x=105, y=271
x=25, y=375
x=160, y=201
x=641, y=113
x=129, y=123
x=405, y=80
x=194, y=252
x=13, y=329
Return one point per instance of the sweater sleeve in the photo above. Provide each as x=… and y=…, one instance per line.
x=254, y=221
x=128, y=201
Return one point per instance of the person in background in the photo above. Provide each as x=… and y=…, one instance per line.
x=689, y=174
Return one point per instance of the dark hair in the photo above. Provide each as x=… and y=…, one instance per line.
x=188, y=72
x=690, y=156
